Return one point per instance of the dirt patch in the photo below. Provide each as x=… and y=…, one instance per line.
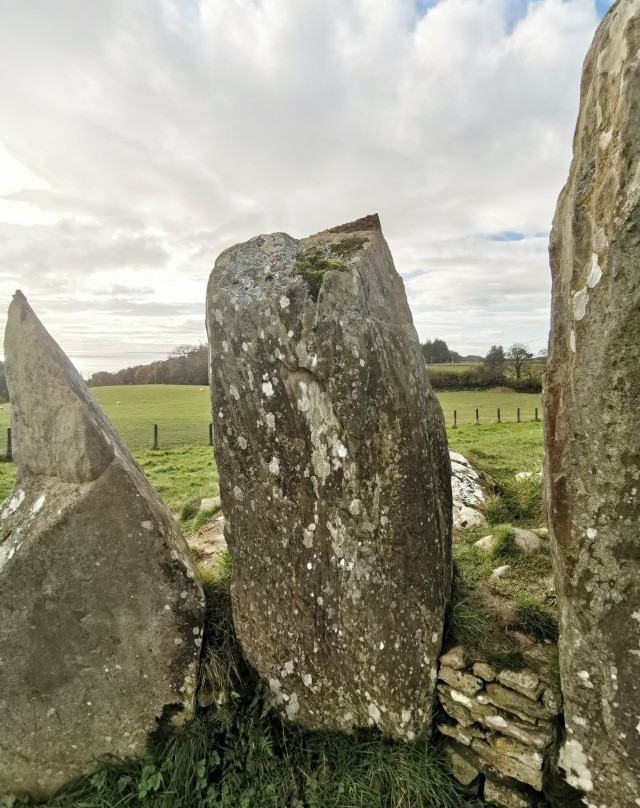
x=208, y=541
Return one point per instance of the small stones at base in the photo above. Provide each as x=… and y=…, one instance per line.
x=461, y=765
x=464, y=682
x=527, y=541
x=457, y=657
x=507, y=796
x=502, y=727
x=484, y=671
x=485, y=544
x=499, y=572
x=525, y=682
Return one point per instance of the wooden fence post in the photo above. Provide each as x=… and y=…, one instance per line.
x=536, y=413
x=155, y=436
x=499, y=415
x=477, y=418
x=210, y=434
x=455, y=419
x=9, y=447
x=518, y=414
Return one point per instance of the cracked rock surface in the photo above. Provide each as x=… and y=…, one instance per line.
x=334, y=478
x=592, y=440
x=100, y=611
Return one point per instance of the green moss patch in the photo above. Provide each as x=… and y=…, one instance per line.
x=312, y=264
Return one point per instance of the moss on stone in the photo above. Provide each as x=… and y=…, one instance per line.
x=348, y=246
x=312, y=264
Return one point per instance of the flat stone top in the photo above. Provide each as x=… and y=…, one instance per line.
x=366, y=223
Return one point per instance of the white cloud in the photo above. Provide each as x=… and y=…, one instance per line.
x=145, y=136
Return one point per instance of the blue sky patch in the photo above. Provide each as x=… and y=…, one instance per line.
x=506, y=235
x=603, y=6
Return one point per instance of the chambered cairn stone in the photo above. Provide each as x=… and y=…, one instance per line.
x=334, y=477
x=100, y=611
x=591, y=422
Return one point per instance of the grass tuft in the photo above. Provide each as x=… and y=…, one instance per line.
x=504, y=546
x=536, y=621
x=312, y=264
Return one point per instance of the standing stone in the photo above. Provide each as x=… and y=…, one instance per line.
x=334, y=477
x=591, y=422
x=100, y=611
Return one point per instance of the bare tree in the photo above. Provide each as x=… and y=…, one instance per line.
x=518, y=355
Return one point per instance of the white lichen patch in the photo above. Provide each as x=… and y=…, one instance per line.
x=14, y=503
x=233, y=390
x=591, y=533
x=596, y=272
x=572, y=341
x=460, y=698
x=267, y=389
x=585, y=678
x=307, y=535
x=327, y=450
x=237, y=493
x=574, y=761
x=284, y=302
x=374, y=712
x=580, y=300
x=293, y=707
x=37, y=505
x=147, y=524
x=274, y=465
x=605, y=139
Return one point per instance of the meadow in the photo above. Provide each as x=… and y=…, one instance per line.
x=183, y=469
x=183, y=412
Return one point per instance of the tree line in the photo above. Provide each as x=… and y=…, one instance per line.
x=187, y=364
x=515, y=368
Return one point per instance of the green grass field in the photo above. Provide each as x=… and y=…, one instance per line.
x=183, y=469
x=452, y=367
x=182, y=412
x=487, y=402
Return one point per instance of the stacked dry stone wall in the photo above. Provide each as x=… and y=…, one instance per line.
x=500, y=727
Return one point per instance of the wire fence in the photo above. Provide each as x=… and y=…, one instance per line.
x=165, y=435
x=475, y=416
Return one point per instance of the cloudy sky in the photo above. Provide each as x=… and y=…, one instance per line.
x=140, y=138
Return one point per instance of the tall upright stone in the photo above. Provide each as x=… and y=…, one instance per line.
x=100, y=611
x=334, y=477
x=592, y=435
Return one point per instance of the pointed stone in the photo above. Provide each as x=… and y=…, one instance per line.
x=334, y=475
x=101, y=613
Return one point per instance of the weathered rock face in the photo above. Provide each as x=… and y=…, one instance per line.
x=591, y=421
x=100, y=611
x=334, y=477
